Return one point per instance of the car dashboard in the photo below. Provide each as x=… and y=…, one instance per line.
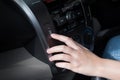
x=25, y=29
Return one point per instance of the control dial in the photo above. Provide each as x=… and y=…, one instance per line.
x=71, y=16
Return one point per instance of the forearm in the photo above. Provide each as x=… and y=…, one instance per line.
x=109, y=69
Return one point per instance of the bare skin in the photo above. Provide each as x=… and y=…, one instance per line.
x=81, y=60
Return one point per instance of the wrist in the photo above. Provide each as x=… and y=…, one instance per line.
x=99, y=68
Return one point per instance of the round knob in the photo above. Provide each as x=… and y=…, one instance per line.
x=70, y=16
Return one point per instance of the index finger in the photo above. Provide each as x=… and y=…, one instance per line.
x=67, y=40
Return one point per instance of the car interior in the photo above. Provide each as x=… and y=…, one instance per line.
x=26, y=26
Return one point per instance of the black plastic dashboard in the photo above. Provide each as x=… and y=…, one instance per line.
x=72, y=18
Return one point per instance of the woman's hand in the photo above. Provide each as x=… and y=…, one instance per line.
x=77, y=58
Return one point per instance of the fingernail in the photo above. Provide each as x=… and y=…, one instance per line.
x=53, y=34
x=50, y=58
x=47, y=51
